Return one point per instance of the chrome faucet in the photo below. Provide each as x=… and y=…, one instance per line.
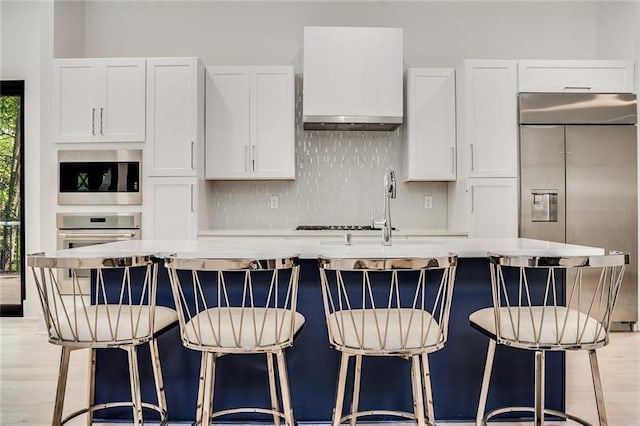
x=389, y=193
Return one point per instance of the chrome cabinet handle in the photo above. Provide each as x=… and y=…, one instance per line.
x=192, y=207
x=192, y=154
x=577, y=87
x=93, y=121
x=101, y=111
x=453, y=159
x=472, y=152
x=253, y=158
x=95, y=235
x=472, y=199
x=246, y=158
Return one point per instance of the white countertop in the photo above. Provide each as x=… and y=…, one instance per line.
x=291, y=233
x=268, y=247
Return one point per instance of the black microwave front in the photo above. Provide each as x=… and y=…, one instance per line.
x=99, y=177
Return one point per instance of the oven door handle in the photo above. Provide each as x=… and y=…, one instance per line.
x=95, y=235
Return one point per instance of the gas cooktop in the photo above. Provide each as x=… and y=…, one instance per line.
x=336, y=228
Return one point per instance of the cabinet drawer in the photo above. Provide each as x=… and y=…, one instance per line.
x=576, y=76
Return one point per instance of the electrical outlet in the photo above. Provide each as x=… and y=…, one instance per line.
x=274, y=202
x=428, y=202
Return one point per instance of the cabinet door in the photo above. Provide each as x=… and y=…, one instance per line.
x=494, y=208
x=228, y=123
x=576, y=76
x=173, y=116
x=74, y=100
x=170, y=209
x=273, y=127
x=491, y=122
x=429, y=153
x=121, y=108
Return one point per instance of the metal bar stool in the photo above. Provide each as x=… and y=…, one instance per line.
x=238, y=306
x=121, y=314
x=532, y=310
x=396, y=307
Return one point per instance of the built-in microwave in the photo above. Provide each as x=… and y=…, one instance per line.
x=99, y=177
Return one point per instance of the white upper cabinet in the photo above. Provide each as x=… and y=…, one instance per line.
x=490, y=118
x=494, y=208
x=429, y=149
x=604, y=76
x=250, y=128
x=99, y=100
x=175, y=117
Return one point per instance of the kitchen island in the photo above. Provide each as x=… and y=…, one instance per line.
x=456, y=370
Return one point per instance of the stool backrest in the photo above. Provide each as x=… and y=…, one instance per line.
x=120, y=308
x=555, y=302
x=388, y=306
x=235, y=305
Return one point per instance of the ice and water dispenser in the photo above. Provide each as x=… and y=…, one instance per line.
x=544, y=205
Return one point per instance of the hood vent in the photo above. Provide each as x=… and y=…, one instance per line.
x=352, y=78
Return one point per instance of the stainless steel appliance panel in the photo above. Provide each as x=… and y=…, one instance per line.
x=602, y=201
x=541, y=169
x=575, y=144
x=577, y=108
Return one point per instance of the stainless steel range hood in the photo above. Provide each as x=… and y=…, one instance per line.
x=352, y=78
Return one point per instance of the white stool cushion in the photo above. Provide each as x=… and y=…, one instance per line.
x=102, y=323
x=578, y=328
x=407, y=329
x=240, y=328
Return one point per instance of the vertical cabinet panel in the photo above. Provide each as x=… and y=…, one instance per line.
x=99, y=100
x=174, y=113
x=250, y=123
x=122, y=110
x=429, y=150
x=170, y=209
x=491, y=122
x=228, y=122
x=494, y=211
x=273, y=109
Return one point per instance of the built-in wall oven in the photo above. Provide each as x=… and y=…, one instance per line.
x=85, y=229
x=99, y=177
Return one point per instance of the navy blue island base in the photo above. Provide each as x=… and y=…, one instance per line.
x=241, y=380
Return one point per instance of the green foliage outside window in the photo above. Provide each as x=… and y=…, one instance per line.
x=10, y=182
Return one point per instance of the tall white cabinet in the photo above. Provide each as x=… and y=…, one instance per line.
x=484, y=200
x=99, y=100
x=174, y=199
x=429, y=148
x=250, y=123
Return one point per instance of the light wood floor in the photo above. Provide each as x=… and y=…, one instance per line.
x=28, y=373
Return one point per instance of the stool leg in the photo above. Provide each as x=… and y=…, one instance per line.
x=426, y=385
x=62, y=385
x=486, y=378
x=597, y=387
x=538, y=414
x=356, y=388
x=275, y=406
x=206, y=388
x=134, y=379
x=416, y=379
x=342, y=379
x=284, y=388
x=91, y=391
x=157, y=377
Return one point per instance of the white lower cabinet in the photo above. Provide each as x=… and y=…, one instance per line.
x=494, y=207
x=170, y=208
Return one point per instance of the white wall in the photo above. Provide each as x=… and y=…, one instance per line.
x=68, y=31
x=436, y=33
x=26, y=50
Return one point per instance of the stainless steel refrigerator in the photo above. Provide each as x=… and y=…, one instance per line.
x=578, y=176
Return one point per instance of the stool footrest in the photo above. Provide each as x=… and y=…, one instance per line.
x=503, y=410
x=403, y=414
x=164, y=419
x=247, y=410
